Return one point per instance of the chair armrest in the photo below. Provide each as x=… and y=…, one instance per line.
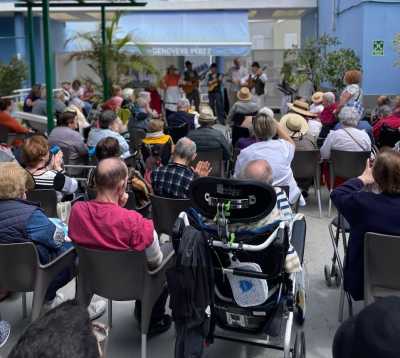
x=144, y=210
x=166, y=263
x=63, y=261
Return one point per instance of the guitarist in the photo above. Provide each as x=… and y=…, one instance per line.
x=214, y=81
x=191, y=82
x=257, y=82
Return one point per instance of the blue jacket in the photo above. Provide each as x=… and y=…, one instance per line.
x=365, y=212
x=23, y=221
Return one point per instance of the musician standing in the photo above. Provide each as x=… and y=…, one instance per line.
x=235, y=75
x=214, y=81
x=191, y=82
x=170, y=84
x=258, y=80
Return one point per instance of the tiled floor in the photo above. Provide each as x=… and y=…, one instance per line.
x=320, y=325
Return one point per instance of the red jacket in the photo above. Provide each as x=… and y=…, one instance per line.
x=392, y=121
x=11, y=123
x=327, y=116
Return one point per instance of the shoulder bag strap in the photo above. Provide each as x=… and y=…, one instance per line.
x=355, y=140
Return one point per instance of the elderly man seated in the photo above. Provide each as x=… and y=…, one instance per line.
x=260, y=170
x=104, y=223
x=349, y=138
x=173, y=180
x=23, y=221
x=208, y=138
x=107, y=121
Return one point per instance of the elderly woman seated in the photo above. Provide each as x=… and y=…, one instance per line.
x=277, y=152
x=155, y=133
x=348, y=138
x=23, y=221
x=368, y=210
x=46, y=167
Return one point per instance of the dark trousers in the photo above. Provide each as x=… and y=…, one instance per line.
x=60, y=281
x=194, y=98
x=217, y=105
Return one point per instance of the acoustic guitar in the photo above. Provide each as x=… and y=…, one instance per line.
x=189, y=86
x=251, y=82
x=213, y=84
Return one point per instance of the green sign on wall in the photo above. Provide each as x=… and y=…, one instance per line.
x=378, y=48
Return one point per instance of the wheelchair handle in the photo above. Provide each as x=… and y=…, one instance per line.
x=245, y=273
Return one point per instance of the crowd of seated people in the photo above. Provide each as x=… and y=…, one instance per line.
x=265, y=154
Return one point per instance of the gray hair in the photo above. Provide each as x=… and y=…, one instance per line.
x=384, y=111
x=267, y=111
x=258, y=170
x=183, y=103
x=329, y=97
x=185, y=148
x=264, y=126
x=349, y=116
x=127, y=93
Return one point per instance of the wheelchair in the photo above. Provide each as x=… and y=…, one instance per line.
x=247, y=253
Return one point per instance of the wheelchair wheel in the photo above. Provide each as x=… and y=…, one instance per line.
x=299, y=349
x=300, y=313
x=327, y=273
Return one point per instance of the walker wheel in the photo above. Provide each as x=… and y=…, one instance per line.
x=338, y=279
x=299, y=349
x=327, y=273
x=300, y=307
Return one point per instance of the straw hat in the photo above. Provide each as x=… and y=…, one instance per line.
x=294, y=124
x=317, y=97
x=244, y=94
x=302, y=108
x=206, y=116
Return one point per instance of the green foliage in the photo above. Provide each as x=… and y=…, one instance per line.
x=118, y=61
x=337, y=63
x=396, y=44
x=319, y=61
x=11, y=76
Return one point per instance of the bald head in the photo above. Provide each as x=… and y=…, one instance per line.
x=258, y=170
x=110, y=173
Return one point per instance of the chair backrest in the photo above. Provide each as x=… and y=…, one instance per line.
x=178, y=132
x=18, y=266
x=216, y=160
x=136, y=137
x=348, y=164
x=4, y=131
x=305, y=163
x=381, y=266
x=389, y=136
x=239, y=132
x=165, y=212
x=47, y=198
x=116, y=275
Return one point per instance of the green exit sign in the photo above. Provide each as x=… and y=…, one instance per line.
x=378, y=48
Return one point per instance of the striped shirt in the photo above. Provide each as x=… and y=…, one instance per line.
x=52, y=179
